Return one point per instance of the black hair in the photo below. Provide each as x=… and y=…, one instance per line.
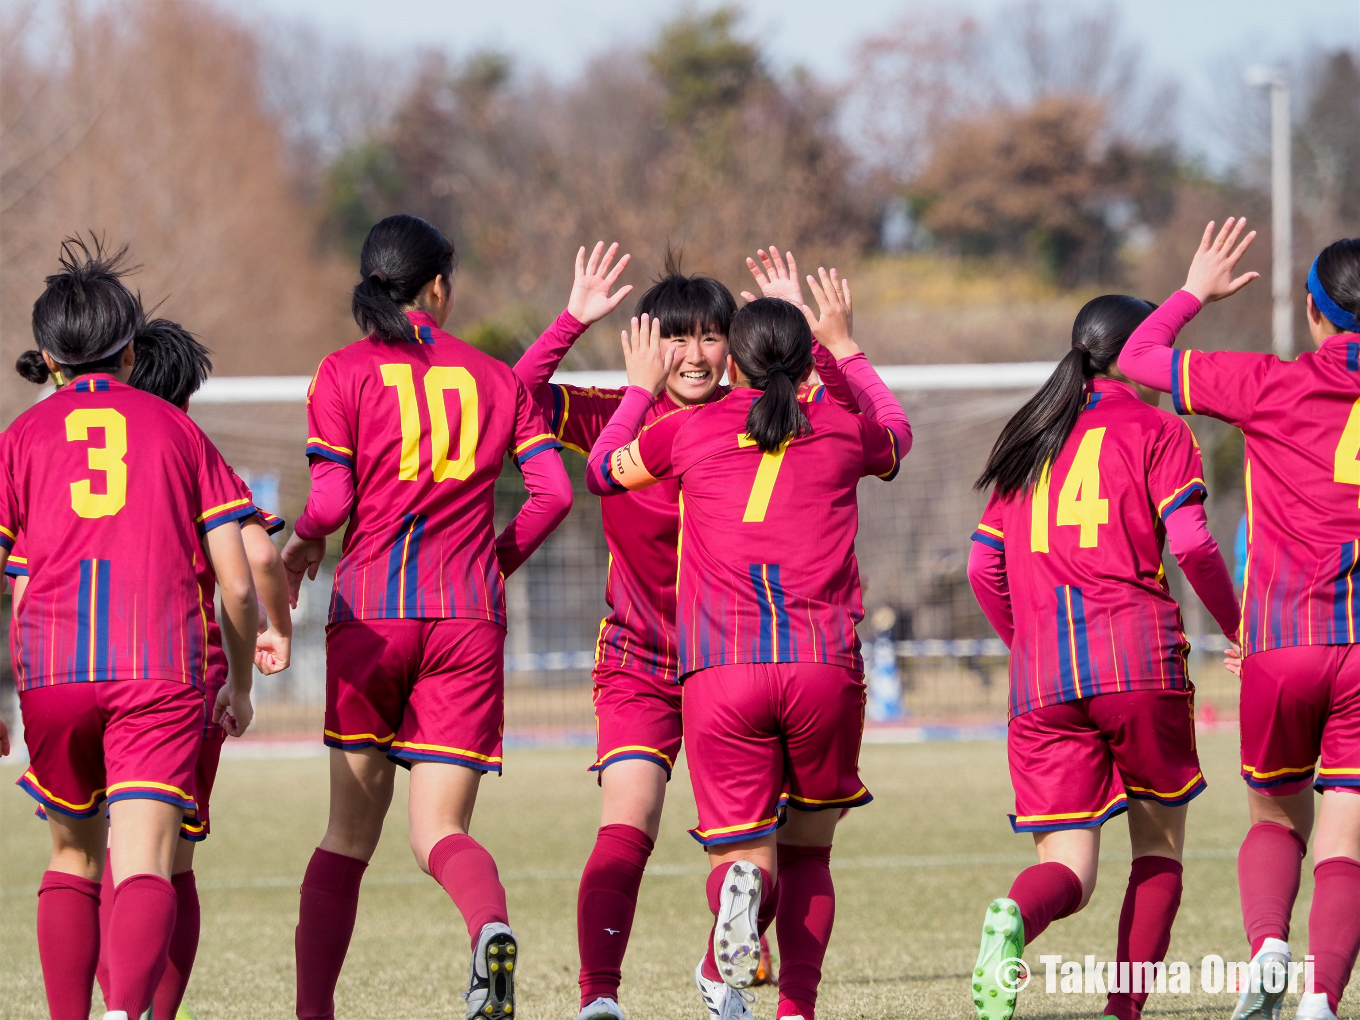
x=772, y=345
x=1338, y=270
x=400, y=256
x=1036, y=433
x=171, y=363
x=687, y=305
x=84, y=309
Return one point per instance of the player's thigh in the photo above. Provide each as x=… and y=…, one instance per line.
x=822, y=721
x=370, y=668
x=1062, y=771
x=1285, y=698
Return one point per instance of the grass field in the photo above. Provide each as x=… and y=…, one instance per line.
x=914, y=871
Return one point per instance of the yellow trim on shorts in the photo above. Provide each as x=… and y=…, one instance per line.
x=1069, y=815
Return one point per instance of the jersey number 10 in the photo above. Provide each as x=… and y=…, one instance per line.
x=438, y=380
x=1079, y=501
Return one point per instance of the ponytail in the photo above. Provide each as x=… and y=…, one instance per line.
x=32, y=367
x=772, y=345
x=1035, y=435
x=400, y=256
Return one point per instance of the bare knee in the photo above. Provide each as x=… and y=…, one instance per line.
x=361, y=793
x=1156, y=830
x=1294, y=811
x=1076, y=849
x=633, y=793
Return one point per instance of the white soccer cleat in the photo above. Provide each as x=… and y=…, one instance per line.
x=602, y=1008
x=723, y=1003
x=1313, y=1006
x=117, y=1014
x=1269, y=969
x=736, y=940
x=491, y=988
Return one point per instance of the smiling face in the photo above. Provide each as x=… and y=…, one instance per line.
x=697, y=371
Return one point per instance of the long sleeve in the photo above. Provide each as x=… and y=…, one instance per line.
x=875, y=400
x=622, y=429
x=1187, y=535
x=987, y=575
x=1147, y=357
x=548, y=505
x=330, y=501
x=829, y=372
x=537, y=365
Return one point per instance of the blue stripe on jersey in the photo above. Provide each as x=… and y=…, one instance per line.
x=559, y=402
x=424, y=335
x=1353, y=357
x=1074, y=657
x=402, y=570
x=775, y=637
x=92, y=622
x=1092, y=400
x=1177, y=356
x=92, y=386
x=991, y=540
x=1344, y=596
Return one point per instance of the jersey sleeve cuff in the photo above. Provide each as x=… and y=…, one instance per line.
x=990, y=536
x=6, y=538
x=236, y=510
x=1182, y=496
x=273, y=523
x=320, y=448
x=1180, y=381
x=17, y=566
x=531, y=448
x=607, y=472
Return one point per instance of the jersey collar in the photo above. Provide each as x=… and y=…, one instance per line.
x=1104, y=385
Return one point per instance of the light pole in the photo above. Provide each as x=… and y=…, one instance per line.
x=1281, y=208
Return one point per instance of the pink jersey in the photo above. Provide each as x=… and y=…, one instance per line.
x=767, y=567
x=1301, y=422
x=424, y=425
x=1092, y=611
x=112, y=489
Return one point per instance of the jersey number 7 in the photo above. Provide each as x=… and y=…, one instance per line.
x=763, y=486
x=1079, y=501
x=438, y=380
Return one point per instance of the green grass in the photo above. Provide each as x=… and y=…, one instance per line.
x=914, y=871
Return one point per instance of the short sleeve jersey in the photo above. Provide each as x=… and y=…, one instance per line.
x=424, y=425
x=112, y=489
x=1093, y=614
x=1301, y=424
x=767, y=569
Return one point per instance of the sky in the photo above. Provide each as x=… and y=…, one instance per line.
x=1184, y=40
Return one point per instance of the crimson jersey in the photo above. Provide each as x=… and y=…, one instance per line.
x=1301, y=422
x=767, y=569
x=424, y=425
x=1092, y=611
x=112, y=489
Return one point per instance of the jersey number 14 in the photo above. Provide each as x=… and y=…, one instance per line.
x=1079, y=502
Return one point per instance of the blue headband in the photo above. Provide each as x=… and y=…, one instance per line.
x=1342, y=319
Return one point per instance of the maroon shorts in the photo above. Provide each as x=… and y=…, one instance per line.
x=1299, y=704
x=422, y=690
x=196, y=825
x=1074, y=765
x=91, y=743
x=637, y=717
x=754, y=731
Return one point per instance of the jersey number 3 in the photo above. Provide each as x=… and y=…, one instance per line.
x=1079, y=501
x=438, y=380
x=107, y=458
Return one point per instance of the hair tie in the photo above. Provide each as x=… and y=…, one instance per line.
x=1080, y=346
x=382, y=277
x=772, y=369
x=1343, y=320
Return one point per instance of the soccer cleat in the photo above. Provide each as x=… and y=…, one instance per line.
x=185, y=1013
x=723, y=1003
x=117, y=1014
x=491, y=989
x=1003, y=940
x=765, y=972
x=1314, y=1006
x=601, y=1009
x=736, y=940
x=1269, y=969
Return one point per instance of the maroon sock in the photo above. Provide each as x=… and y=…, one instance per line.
x=764, y=917
x=139, y=934
x=101, y=971
x=468, y=874
x=1150, y=905
x=807, y=910
x=68, y=942
x=179, y=963
x=1044, y=893
x=605, y=906
x=1268, y=867
x=1333, y=925
x=330, y=902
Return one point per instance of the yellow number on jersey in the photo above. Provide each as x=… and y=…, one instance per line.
x=763, y=486
x=107, y=458
x=1347, y=461
x=1079, y=501
x=438, y=380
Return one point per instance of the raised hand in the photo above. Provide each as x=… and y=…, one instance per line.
x=590, y=299
x=833, y=325
x=775, y=277
x=1211, y=272
x=647, y=359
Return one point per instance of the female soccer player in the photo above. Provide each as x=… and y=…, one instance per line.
x=408, y=428
x=1089, y=477
x=1300, y=686
x=112, y=489
x=767, y=649
x=637, y=699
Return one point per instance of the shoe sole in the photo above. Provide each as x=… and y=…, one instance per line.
x=500, y=957
x=1002, y=940
x=1263, y=1005
x=736, y=942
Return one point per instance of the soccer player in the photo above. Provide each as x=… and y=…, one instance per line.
x=408, y=429
x=113, y=490
x=1089, y=478
x=767, y=648
x=1300, y=686
x=637, y=699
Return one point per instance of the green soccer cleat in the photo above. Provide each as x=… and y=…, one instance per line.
x=185, y=1013
x=1003, y=940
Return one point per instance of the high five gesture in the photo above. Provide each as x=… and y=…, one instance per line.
x=590, y=299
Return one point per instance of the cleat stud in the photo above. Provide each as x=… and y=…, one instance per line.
x=977, y=986
x=492, y=951
x=978, y=972
x=509, y=1009
x=509, y=966
x=978, y=1003
x=989, y=930
x=995, y=909
x=495, y=967
x=1011, y=910
x=488, y=1009
x=993, y=993
x=510, y=950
